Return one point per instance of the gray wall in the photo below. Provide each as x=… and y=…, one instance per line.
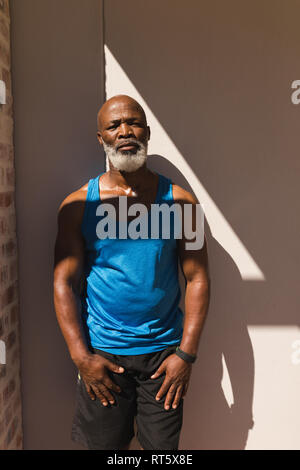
x=58, y=86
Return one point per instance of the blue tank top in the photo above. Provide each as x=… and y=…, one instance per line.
x=132, y=294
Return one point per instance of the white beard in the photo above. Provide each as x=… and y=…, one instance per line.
x=125, y=161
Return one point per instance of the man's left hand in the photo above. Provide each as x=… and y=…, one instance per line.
x=176, y=381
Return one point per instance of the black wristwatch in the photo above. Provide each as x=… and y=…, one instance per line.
x=185, y=356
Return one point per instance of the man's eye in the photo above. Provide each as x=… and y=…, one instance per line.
x=113, y=126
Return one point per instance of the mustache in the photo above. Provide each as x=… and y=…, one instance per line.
x=129, y=142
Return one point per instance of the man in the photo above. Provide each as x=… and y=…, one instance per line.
x=117, y=299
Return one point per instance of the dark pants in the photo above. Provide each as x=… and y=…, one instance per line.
x=111, y=427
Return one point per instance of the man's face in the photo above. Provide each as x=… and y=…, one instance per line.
x=124, y=134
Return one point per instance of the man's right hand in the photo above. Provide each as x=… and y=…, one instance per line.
x=93, y=371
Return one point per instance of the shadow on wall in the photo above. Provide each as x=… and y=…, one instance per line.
x=209, y=422
x=217, y=77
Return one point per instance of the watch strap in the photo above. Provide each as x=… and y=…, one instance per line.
x=185, y=356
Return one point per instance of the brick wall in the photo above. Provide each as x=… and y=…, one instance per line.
x=10, y=394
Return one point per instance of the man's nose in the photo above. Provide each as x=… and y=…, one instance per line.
x=125, y=130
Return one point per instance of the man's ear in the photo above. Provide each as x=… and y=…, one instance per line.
x=149, y=132
x=99, y=138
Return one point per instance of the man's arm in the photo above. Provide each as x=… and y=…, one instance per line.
x=68, y=269
x=194, y=265
x=68, y=272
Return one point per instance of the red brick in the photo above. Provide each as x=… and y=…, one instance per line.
x=11, y=340
x=3, y=225
x=6, y=321
x=19, y=441
x=12, y=222
x=4, y=29
x=2, y=176
x=2, y=427
x=2, y=372
x=8, y=391
x=4, y=7
x=10, y=397
x=11, y=153
x=8, y=296
x=8, y=249
x=3, y=275
x=6, y=77
x=4, y=151
x=14, y=314
x=4, y=54
x=17, y=402
x=8, y=415
x=13, y=271
x=6, y=198
x=15, y=356
x=11, y=431
x=10, y=176
x=8, y=107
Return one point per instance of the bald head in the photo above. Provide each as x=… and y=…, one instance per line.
x=114, y=106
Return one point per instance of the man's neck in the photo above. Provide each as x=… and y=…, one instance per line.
x=135, y=179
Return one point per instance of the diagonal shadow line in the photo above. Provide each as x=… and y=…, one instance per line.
x=118, y=82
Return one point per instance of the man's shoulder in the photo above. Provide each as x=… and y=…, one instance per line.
x=79, y=195
x=72, y=207
x=183, y=196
